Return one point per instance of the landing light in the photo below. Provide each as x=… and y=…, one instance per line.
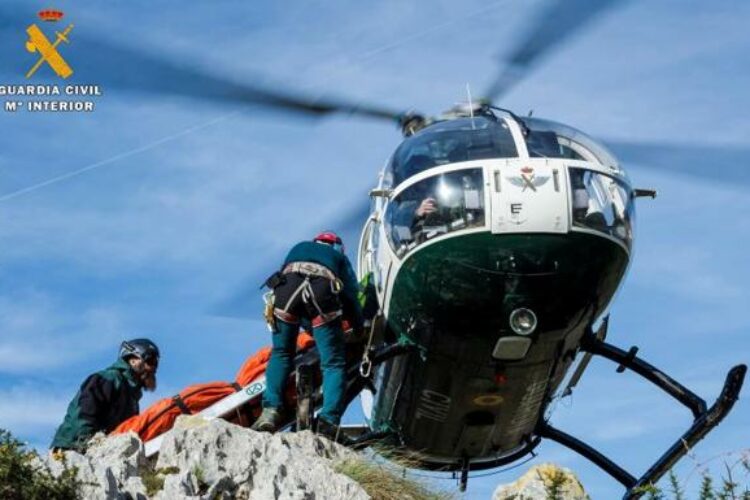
x=523, y=321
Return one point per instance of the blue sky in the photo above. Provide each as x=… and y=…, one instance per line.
x=185, y=199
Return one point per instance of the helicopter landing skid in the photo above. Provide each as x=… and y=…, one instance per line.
x=705, y=419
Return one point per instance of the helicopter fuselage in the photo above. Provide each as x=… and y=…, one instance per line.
x=494, y=280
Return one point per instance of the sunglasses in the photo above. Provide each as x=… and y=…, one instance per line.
x=151, y=360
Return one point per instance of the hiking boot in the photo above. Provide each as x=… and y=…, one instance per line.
x=269, y=420
x=332, y=431
x=326, y=429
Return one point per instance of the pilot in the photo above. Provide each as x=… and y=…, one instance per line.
x=428, y=206
x=316, y=284
x=419, y=208
x=109, y=397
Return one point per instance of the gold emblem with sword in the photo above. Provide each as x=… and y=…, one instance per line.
x=48, y=51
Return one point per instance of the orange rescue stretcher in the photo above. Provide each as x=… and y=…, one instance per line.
x=243, y=409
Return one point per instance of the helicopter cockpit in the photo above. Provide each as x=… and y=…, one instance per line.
x=452, y=141
x=448, y=176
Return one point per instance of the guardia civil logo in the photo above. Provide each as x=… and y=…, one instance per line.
x=47, y=51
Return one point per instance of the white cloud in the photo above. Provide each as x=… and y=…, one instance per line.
x=41, y=334
x=31, y=411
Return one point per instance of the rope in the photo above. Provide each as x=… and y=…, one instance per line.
x=365, y=367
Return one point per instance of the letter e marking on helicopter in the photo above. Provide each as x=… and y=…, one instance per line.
x=515, y=209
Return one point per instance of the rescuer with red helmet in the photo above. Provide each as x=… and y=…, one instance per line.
x=316, y=284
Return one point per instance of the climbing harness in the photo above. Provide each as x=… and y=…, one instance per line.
x=305, y=292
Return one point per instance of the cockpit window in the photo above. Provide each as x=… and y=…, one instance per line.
x=435, y=206
x=543, y=144
x=602, y=203
x=452, y=141
x=548, y=139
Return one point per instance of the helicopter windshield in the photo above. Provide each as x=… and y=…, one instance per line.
x=451, y=141
x=434, y=206
x=548, y=139
x=603, y=204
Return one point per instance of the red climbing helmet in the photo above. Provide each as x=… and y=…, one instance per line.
x=330, y=238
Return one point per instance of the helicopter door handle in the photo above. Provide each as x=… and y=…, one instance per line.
x=496, y=177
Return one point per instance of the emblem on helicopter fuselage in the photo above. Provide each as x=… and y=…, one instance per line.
x=528, y=179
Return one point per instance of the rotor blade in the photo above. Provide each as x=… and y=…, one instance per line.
x=558, y=22
x=155, y=75
x=137, y=68
x=726, y=164
x=243, y=302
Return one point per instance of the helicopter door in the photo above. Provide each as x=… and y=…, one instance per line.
x=528, y=196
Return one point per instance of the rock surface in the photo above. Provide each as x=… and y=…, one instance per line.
x=214, y=459
x=539, y=483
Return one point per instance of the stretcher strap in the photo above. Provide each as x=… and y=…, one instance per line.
x=181, y=405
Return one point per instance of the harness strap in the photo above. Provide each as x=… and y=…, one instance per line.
x=324, y=318
x=285, y=316
x=308, y=296
x=309, y=269
x=299, y=290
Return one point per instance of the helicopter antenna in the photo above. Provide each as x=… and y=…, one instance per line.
x=471, y=106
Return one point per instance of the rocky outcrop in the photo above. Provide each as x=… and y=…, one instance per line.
x=214, y=459
x=542, y=482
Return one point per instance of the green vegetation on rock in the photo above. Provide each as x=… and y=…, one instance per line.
x=24, y=476
x=384, y=482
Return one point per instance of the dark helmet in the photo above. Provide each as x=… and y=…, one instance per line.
x=140, y=348
x=330, y=238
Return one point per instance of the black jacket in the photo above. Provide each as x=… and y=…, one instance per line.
x=105, y=400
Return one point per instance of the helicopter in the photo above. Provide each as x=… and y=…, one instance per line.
x=547, y=155
x=496, y=282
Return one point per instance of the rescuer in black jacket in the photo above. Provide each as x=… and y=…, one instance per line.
x=110, y=396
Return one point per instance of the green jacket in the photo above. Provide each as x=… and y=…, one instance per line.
x=105, y=399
